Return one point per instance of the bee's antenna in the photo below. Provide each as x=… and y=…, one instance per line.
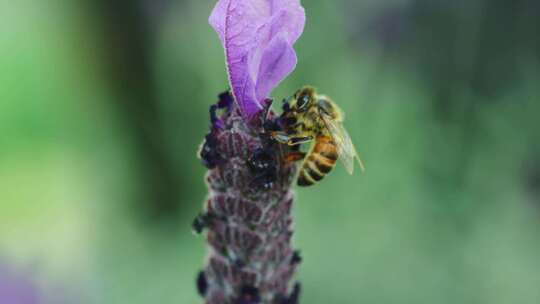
x=267, y=105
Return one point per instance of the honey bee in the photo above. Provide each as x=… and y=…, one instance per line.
x=308, y=117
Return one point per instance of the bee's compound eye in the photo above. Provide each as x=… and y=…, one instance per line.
x=302, y=102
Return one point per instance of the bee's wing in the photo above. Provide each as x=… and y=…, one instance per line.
x=346, y=150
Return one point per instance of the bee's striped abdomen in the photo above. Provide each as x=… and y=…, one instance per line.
x=319, y=162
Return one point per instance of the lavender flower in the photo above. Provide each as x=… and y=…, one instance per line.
x=17, y=287
x=257, y=36
x=248, y=210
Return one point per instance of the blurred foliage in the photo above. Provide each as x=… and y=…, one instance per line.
x=103, y=105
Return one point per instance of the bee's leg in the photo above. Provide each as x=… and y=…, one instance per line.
x=280, y=137
x=285, y=138
x=295, y=156
x=293, y=141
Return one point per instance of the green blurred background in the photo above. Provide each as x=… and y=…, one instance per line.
x=103, y=105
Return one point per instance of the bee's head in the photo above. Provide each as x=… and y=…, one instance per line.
x=302, y=99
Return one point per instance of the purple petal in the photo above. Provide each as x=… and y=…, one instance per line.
x=277, y=61
x=257, y=36
x=17, y=288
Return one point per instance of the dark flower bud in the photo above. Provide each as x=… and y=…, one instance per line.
x=296, y=258
x=225, y=100
x=249, y=295
x=202, y=221
x=293, y=298
x=263, y=166
x=202, y=284
x=209, y=153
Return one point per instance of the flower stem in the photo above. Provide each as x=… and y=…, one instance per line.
x=248, y=211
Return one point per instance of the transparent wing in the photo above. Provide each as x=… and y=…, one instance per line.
x=346, y=150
